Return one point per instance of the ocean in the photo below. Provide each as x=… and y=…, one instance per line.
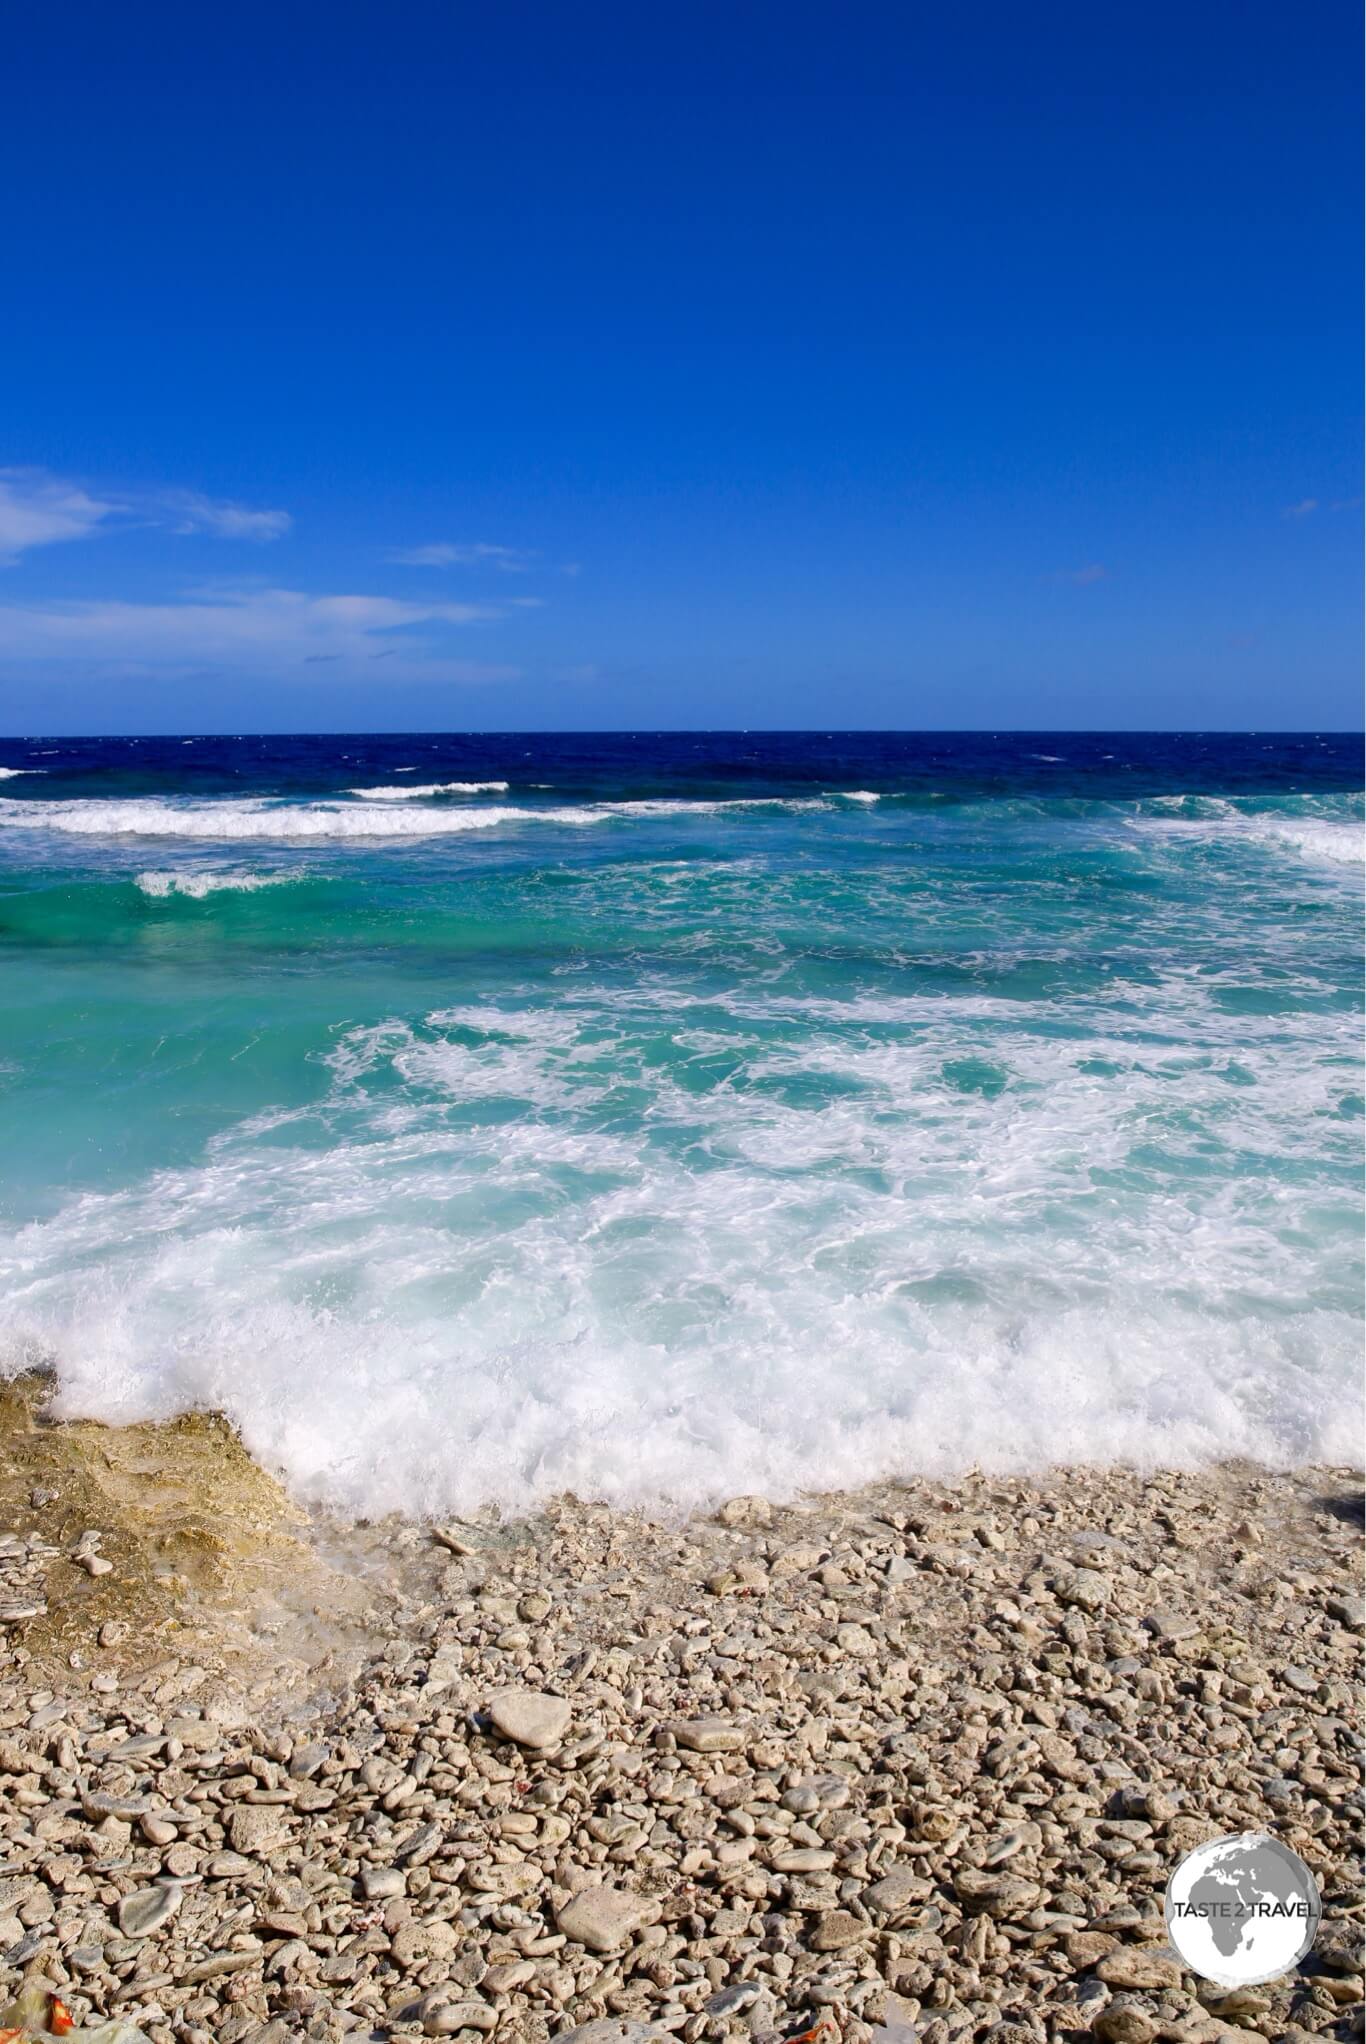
x=660, y=1117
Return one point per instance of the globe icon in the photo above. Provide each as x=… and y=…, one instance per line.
x=1242, y=1909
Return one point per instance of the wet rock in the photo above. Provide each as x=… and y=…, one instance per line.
x=746, y=1511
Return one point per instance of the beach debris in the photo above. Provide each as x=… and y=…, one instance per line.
x=36, y=2011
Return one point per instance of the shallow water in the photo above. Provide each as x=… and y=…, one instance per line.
x=471, y=1119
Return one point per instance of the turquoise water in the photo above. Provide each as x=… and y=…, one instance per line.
x=659, y=1118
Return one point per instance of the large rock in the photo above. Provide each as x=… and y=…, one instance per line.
x=896, y=1893
x=1124, y=2022
x=614, y=2030
x=836, y=1928
x=449, y=2018
x=604, y=1919
x=257, y=1828
x=1131, y=1966
x=147, y=1909
x=1348, y=1611
x=707, y=1735
x=746, y=1511
x=1003, y=1896
x=530, y=1718
x=1085, y=1588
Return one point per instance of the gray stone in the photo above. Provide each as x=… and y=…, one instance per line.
x=146, y=1911
x=1171, y=1625
x=742, y=1995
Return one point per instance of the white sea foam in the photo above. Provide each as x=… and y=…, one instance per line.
x=680, y=805
x=1322, y=840
x=466, y=1276
x=422, y=791
x=230, y=821
x=199, y=886
x=1332, y=844
x=13, y=773
x=859, y=795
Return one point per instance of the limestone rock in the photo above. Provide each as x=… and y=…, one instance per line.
x=602, y=1918
x=1131, y=1966
x=836, y=1928
x=256, y=1829
x=530, y=1718
x=708, y=1735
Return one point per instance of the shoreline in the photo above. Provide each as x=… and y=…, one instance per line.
x=924, y=1752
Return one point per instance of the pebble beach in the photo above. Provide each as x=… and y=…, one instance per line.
x=916, y=1757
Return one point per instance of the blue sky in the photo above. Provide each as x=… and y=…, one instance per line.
x=393, y=366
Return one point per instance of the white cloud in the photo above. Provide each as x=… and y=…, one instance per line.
x=1304, y=509
x=191, y=512
x=509, y=560
x=39, y=509
x=262, y=630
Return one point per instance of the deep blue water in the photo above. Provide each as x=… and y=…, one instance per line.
x=616, y=766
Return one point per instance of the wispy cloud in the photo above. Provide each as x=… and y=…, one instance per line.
x=190, y=512
x=40, y=509
x=508, y=560
x=1081, y=578
x=1307, y=506
x=37, y=509
x=261, y=630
